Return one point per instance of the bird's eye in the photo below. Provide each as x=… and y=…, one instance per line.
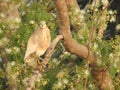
x=41, y=25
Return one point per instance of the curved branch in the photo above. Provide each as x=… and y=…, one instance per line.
x=70, y=44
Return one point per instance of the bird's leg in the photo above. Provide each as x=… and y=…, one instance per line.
x=40, y=58
x=36, y=59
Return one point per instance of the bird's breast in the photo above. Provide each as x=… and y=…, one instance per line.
x=43, y=39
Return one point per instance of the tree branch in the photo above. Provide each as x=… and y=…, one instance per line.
x=49, y=53
x=70, y=44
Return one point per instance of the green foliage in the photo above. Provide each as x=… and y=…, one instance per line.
x=65, y=71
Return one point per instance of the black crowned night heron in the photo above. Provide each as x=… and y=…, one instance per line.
x=37, y=44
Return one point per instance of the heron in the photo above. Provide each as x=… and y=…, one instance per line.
x=37, y=44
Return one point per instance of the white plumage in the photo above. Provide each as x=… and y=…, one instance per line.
x=37, y=43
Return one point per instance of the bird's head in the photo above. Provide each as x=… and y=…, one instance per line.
x=42, y=24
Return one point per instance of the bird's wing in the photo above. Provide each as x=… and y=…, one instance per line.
x=44, y=41
x=39, y=40
x=31, y=47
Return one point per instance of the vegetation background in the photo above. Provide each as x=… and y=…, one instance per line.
x=65, y=71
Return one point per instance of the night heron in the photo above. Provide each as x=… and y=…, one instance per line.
x=37, y=44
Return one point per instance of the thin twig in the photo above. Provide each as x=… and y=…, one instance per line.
x=93, y=28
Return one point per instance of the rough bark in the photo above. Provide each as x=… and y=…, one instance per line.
x=70, y=44
x=101, y=76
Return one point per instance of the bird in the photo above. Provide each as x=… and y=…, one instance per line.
x=37, y=44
